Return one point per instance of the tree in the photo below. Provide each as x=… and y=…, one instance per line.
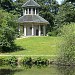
x=48, y=11
x=70, y=0
x=50, y=18
x=65, y=14
x=7, y=5
x=7, y=31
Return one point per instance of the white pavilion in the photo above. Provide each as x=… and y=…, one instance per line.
x=33, y=24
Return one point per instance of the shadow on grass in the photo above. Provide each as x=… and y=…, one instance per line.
x=13, y=48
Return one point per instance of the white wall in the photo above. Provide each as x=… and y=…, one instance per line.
x=29, y=31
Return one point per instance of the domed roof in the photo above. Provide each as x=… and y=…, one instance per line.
x=31, y=3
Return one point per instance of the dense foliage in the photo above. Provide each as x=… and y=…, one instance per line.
x=66, y=14
x=67, y=47
x=56, y=14
x=8, y=31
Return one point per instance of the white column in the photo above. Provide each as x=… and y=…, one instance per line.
x=35, y=11
x=25, y=12
x=32, y=11
x=28, y=11
x=39, y=30
x=44, y=30
x=24, y=30
x=32, y=30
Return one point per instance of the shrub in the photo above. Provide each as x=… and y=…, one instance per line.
x=67, y=46
x=51, y=34
x=28, y=61
x=12, y=60
x=8, y=31
x=7, y=39
x=1, y=61
x=41, y=61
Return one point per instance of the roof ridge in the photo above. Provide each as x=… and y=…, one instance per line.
x=31, y=3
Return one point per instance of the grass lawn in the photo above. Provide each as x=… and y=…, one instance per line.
x=37, y=46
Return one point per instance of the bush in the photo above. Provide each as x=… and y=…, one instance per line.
x=1, y=61
x=12, y=60
x=28, y=61
x=41, y=61
x=8, y=31
x=51, y=34
x=67, y=46
x=37, y=61
x=7, y=39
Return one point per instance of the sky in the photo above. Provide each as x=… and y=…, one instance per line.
x=59, y=1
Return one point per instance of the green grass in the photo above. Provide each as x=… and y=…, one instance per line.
x=37, y=46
